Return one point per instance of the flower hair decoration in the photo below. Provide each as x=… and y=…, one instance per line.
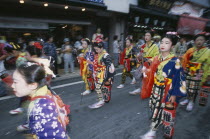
x=171, y=33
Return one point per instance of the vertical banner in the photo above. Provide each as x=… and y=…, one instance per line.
x=191, y=25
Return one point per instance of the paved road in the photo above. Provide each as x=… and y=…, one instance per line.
x=125, y=117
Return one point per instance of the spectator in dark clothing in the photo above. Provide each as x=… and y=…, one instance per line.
x=3, y=56
x=50, y=50
x=106, y=45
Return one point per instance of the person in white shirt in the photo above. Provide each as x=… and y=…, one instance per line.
x=68, y=58
x=116, y=51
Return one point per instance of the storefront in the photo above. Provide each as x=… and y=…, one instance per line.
x=151, y=15
x=33, y=19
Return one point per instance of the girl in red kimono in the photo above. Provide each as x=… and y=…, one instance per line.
x=168, y=87
x=129, y=62
x=148, y=51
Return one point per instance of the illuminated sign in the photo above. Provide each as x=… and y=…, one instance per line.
x=162, y=5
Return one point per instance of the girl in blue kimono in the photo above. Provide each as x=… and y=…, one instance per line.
x=168, y=87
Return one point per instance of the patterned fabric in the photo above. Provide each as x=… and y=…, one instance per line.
x=156, y=106
x=124, y=75
x=103, y=67
x=43, y=118
x=193, y=84
x=103, y=71
x=88, y=55
x=86, y=68
x=197, y=68
x=128, y=56
x=196, y=59
x=150, y=50
x=168, y=81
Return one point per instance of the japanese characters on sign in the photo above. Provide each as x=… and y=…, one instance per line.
x=160, y=4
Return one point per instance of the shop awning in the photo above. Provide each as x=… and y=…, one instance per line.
x=152, y=12
x=32, y=23
x=77, y=3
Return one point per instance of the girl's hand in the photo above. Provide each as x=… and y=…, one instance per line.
x=89, y=62
x=172, y=99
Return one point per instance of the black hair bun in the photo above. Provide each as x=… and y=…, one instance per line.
x=199, y=35
x=173, y=37
x=98, y=44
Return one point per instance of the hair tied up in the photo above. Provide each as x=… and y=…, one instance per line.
x=29, y=64
x=171, y=33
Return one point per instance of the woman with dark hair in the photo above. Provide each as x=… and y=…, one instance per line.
x=34, y=49
x=86, y=69
x=168, y=87
x=103, y=75
x=129, y=62
x=43, y=116
x=148, y=51
x=196, y=62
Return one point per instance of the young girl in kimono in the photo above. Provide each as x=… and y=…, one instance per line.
x=148, y=51
x=129, y=62
x=196, y=62
x=86, y=69
x=103, y=75
x=168, y=87
x=29, y=80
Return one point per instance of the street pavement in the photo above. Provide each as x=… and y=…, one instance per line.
x=124, y=117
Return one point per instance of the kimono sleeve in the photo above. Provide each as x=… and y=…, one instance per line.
x=110, y=70
x=178, y=85
x=43, y=121
x=206, y=67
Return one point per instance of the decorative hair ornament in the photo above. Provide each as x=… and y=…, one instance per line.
x=28, y=64
x=15, y=46
x=45, y=63
x=38, y=45
x=172, y=33
x=86, y=39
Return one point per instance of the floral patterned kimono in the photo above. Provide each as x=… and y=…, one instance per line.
x=103, y=71
x=196, y=63
x=168, y=81
x=43, y=117
x=86, y=70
